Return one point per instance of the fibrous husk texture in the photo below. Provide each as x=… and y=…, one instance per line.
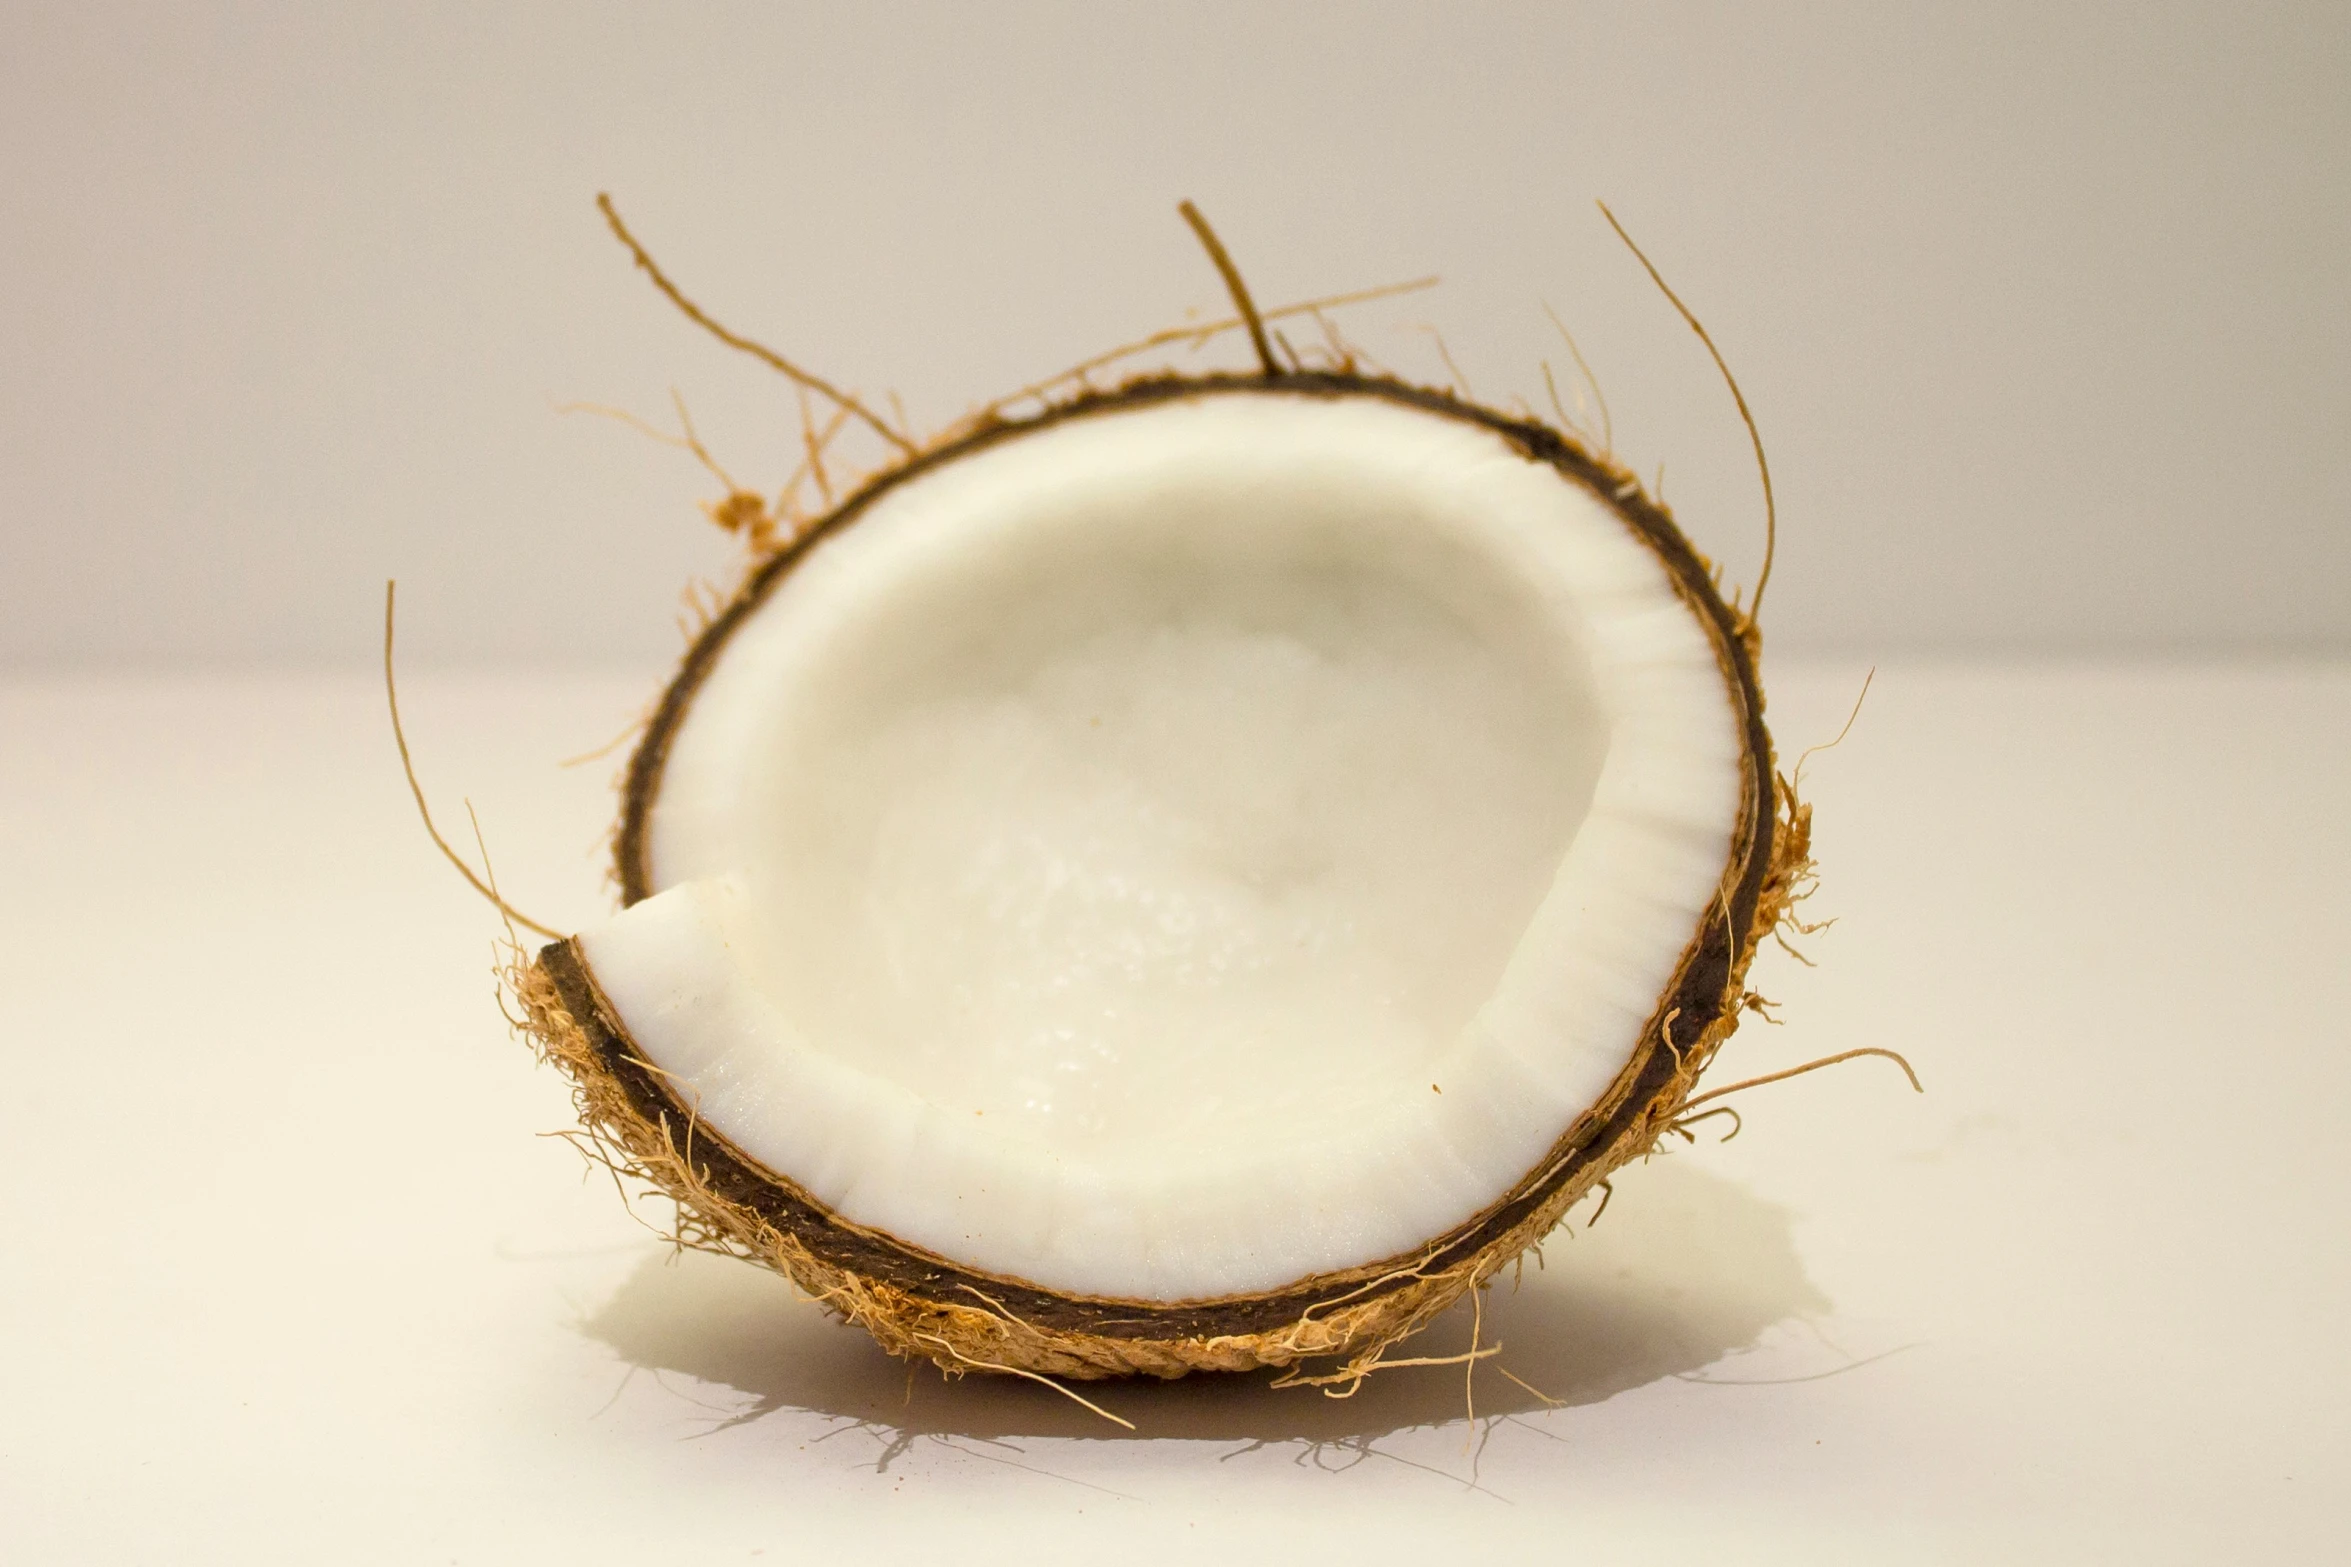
x=1363, y=1317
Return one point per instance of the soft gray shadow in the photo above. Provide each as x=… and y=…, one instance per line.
x=1685, y=1268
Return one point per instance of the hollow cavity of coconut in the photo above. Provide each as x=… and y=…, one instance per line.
x=1195, y=880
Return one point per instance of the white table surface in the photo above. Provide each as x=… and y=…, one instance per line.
x=285, y=1274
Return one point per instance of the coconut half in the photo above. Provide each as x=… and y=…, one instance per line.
x=1197, y=879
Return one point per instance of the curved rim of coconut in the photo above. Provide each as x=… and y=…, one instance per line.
x=921, y=1304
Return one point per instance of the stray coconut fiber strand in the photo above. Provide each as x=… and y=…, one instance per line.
x=639, y=1125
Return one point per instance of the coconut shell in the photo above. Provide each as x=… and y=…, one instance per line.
x=921, y=1305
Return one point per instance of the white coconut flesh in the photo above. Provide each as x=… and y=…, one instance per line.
x=1186, y=848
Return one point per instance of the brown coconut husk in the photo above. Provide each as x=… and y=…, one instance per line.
x=1330, y=1330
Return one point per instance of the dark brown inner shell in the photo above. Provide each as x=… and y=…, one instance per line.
x=1696, y=1001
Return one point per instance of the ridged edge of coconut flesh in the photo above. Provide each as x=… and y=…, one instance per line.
x=919, y=1305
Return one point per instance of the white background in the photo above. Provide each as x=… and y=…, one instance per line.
x=2044, y=314
x=2042, y=308
x=286, y=1278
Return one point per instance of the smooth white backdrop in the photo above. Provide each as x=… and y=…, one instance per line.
x=2044, y=310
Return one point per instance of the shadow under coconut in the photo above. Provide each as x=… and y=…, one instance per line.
x=1686, y=1268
